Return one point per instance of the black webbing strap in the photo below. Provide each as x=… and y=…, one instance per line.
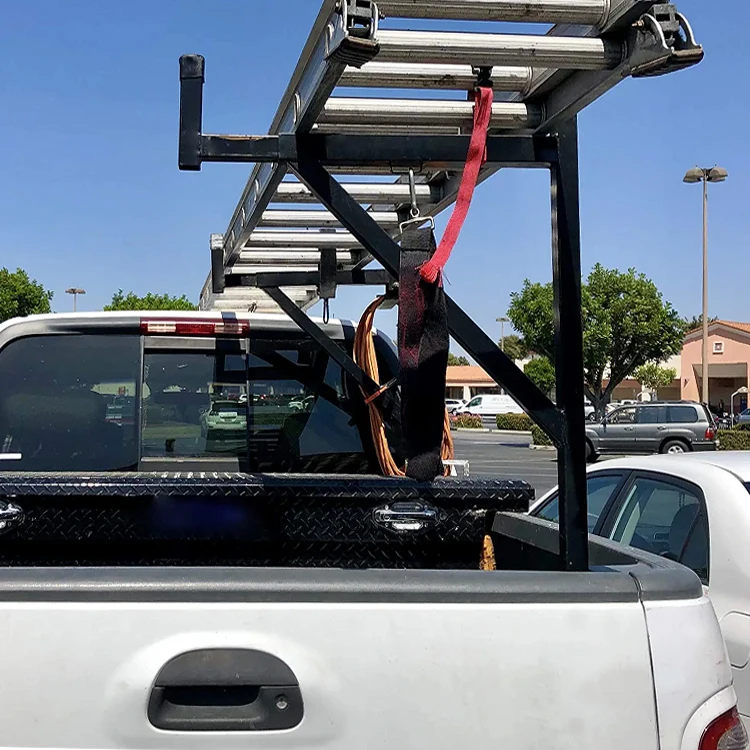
x=423, y=355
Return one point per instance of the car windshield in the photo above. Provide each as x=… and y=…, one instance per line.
x=747, y=486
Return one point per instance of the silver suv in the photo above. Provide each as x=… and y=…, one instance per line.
x=653, y=427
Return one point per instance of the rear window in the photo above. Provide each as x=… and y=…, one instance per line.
x=67, y=403
x=284, y=407
x=83, y=403
x=683, y=414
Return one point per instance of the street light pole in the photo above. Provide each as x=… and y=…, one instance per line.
x=75, y=291
x=704, y=313
x=693, y=176
x=502, y=322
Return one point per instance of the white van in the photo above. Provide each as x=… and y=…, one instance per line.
x=490, y=404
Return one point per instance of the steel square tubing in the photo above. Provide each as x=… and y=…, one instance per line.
x=588, y=12
x=440, y=47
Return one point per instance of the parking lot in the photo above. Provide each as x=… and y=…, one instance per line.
x=502, y=455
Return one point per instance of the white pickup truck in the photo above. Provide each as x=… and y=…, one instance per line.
x=190, y=607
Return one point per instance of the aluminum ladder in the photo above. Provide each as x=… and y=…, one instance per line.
x=356, y=75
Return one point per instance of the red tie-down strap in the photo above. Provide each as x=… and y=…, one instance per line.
x=432, y=271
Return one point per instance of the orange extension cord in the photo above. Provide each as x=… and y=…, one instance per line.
x=364, y=356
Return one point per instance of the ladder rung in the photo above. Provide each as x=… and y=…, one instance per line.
x=459, y=77
x=242, y=269
x=307, y=240
x=588, y=12
x=311, y=219
x=411, y=113
x=566, y=52
x=291, y=254
x=368, y=192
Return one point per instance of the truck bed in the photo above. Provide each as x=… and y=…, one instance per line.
x=262, y=637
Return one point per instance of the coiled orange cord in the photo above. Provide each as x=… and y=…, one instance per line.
x=365, y=357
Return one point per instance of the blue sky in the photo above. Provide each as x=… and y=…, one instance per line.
x=90, y=193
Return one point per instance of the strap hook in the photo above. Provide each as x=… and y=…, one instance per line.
x=414, y=212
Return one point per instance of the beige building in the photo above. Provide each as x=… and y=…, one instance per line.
x=465, y=382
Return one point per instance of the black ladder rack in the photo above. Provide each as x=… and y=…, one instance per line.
x=275, y=256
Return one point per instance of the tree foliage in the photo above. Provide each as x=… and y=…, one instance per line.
x=696, y=322
x=454, y=361
x=626, y=324
x=652, y=376
x=515, y=347
x=541, y=372
x=21, y=296
x=132, y=301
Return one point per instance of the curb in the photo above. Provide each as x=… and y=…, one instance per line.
x=542, y=447
x=517, y=433
x=471, y=429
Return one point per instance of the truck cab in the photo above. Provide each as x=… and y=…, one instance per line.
x=154, y=391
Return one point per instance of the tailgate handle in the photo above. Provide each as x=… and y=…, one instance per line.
x=225, y=690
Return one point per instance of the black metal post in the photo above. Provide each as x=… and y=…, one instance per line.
x=566, y=263
x=463, y=329
x=192, y=70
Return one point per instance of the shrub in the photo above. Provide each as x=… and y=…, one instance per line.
x=743, y=426
x=539, y=436
x=515, y=422
x=468, y=421
x=734, y=440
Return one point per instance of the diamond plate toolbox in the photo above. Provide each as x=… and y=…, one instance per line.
x=255, y=520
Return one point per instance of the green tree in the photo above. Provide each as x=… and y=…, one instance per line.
x=541, y=372
x=652, y=376
x=514, y=347
x=132, y=301
x=696, y=322
x=626, y=324
x=454, y=361
x=21, y=296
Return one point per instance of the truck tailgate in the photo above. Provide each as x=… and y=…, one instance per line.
x=383, y=658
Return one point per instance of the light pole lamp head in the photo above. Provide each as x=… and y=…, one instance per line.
x=696, y=174
x=75, y=290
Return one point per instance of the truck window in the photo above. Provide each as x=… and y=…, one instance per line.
x=67, y=403
x=283, y=407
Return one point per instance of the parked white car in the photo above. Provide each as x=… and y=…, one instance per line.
x=489, y=405
x=693, y=508
x=451, y=404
